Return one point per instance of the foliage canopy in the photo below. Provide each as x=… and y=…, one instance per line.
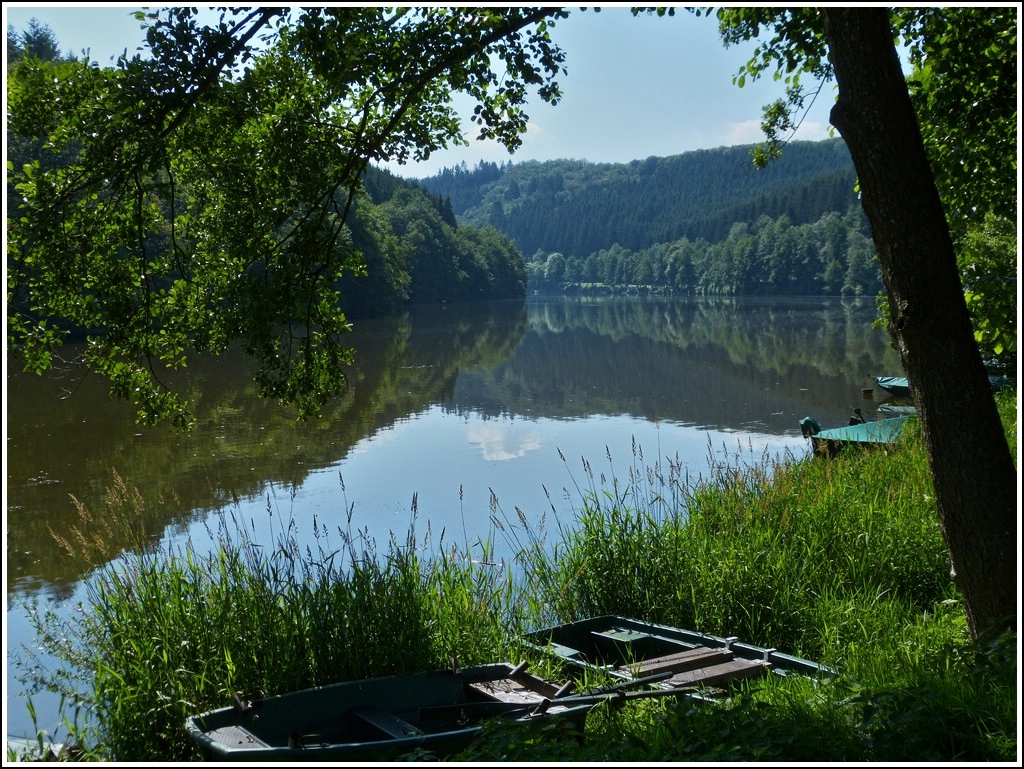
x=200, y=196
x=962, y=80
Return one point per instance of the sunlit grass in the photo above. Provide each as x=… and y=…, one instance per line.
x=840, y=561
x=760, y=550
x=170, y=633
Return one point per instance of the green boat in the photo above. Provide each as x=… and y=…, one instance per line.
x=897, y=408
x=900, y=385
x=383, y=718
x=828, y=443
x=704, y=666
x=894, y=385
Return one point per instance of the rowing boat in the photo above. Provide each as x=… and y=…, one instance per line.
x=382, y=718
x=706, y=665
x=894, y=385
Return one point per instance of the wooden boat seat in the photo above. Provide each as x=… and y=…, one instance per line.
x=238, y=737
x=621, y=635
x=518, y=686
x=566, y=652
x=388, y=723
x=720, y=675
x=691, y=659
x=505, y=690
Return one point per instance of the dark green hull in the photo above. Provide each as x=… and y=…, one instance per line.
x=378, y=719
x=629, y=648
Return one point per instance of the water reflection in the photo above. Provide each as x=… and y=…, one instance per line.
x=498, y=378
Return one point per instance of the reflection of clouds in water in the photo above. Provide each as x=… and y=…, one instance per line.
x=498, y=441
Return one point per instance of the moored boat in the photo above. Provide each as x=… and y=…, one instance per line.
x=900, y=385
x=705, y=665
x=830, y=442
x=382, y=718
x=894, y=385
x=897, y=408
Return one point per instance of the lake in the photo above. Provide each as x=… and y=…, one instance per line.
x=456, y=420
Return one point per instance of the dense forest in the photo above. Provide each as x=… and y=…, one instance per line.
x=416, y=253
x=829, y=257
x=413, y=250
x=575, y=207
x=794, y=228
x=702, y=222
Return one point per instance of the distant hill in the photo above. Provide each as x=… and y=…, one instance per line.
x=577, y=208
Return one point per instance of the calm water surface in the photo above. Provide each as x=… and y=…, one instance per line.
x=454, y=407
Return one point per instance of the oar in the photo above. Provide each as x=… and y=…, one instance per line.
x=610, y=697
x=474, y=711
x=612, y=693
x=478, y=710
x=629, y=683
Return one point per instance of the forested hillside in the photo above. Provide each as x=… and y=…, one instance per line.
x=829, y=257
x=700, y=222
x=703, y=222
x=577, y=208
x=415, y=253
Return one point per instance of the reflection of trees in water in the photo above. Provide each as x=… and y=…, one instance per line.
x=717, y=363
x=63, y=446
x=771, y=334
x=709, y=362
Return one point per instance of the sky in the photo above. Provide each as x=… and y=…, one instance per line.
x=636, y=87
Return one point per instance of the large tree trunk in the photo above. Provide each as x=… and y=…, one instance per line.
x=972, y=468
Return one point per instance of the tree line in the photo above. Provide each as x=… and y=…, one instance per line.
x=576, y=208
x=269, y=118
x=829, y=257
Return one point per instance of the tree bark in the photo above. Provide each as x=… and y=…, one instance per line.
x=973, y=471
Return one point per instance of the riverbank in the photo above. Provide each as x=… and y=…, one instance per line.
x=839, y=561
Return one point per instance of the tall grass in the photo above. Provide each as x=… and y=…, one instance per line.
x=172, y=632
x=769, y=549
x=837, y=560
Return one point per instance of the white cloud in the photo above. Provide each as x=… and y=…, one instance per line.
x=497, y=441
x=813, y=131
x=747, y=132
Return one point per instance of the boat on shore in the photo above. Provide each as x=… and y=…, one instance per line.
x=828, y=443
x=894, y=385
x=703, y=665
x=900, y=385
x=383, y=718
x=897, y=408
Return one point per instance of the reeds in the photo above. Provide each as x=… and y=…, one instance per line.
x=840, y=561
x=169, y=633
